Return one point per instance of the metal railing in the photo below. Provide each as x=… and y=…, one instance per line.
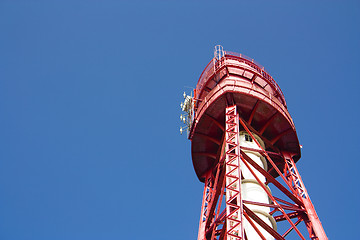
x=212, y=67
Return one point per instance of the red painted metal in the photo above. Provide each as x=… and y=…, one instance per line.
x=234, y=203
x=207, y=196
x=313, y=222
x=234, y=94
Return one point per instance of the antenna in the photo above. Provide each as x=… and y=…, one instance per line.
x=187, y=108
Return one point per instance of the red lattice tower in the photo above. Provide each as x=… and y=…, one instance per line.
x=245, y=148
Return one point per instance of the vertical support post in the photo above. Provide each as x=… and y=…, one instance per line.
x=234, y=207
x=207, y=196
x=316, y=231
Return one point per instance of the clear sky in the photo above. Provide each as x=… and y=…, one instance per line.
x=89, y=110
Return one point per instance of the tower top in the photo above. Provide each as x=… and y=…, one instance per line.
x=235, y=79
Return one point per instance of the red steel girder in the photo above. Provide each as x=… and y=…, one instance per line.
x=225, y=179
x=234, y=206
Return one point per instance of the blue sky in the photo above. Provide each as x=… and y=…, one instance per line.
x=89, y=110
